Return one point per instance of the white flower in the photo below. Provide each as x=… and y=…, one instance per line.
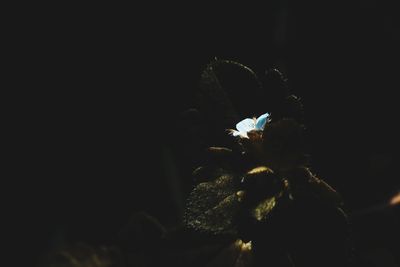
x=247, y=125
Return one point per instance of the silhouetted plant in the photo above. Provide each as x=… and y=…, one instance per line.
x=256, y=201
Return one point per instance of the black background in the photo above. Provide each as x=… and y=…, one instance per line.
x=99, y=141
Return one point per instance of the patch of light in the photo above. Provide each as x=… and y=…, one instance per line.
x=395, y=200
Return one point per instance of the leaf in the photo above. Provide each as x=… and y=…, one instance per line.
x=261, y=211
x=283, y=144
x=226, y=88
x=212, y=206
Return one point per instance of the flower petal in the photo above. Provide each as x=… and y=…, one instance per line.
x=246, y=125
x=235, y=133
x=240, y=134
x=261, y=121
